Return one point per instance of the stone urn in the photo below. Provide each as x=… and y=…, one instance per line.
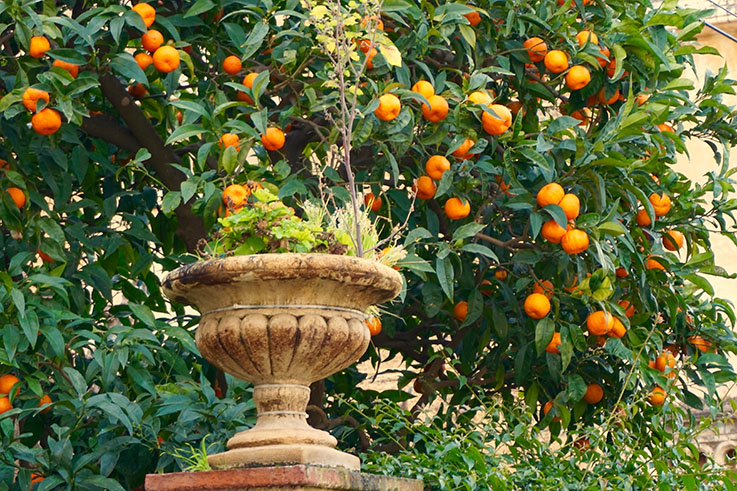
x=281, y=322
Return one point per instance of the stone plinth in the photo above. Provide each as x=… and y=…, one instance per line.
x=293, y=477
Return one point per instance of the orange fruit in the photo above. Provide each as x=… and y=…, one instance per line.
x=546, y=288
x=642, y=218
x=248, y=82
x=587, y=36
x=575, y=241
x=578, y=77
x=152, y=40
x=537, y=305
x=44, y=257
x=35, y=478
x=629, y=309
x=665, y=360
x=501, y=274
x=232, y=65
x=370, y=58
x=582, y=115
x=661, y=204
x=552, y=232
x=673, y=240
x=436, y=166
x=604, y=59
x=235, y=196
x=372, y=202
x=229, y=140
x=460, y=311
x=31, y=97
x=438, y=109
x=665, y=127
x=138, y=90
x=365, y=45
x=462, y=151
x=516, y=107
x=180, y=117
x=603, y=100
x=498, y=124
x=652, y=263
x=379, y=24
x=550, y=194
x=389, y=107
x=546, y=409
x=554, y=344
x=700, y=343
x=480, y=97
x=571, y=206
x=657, y=396
x=474, y=18
x=144, y=60
x=39, y=46
x=599, y=323
x=642, y=99
x=594, y=393
x=457, y=209
x=621, y=272
x=46, y=121
x=425, y=188
x=618, y=330
x=7, y=382
x=424, y=88
x=536, y=49
x=45, y=399
x=70, y=67
x=147, y=13
x=556, y=61
x=374, y=325
x=273, y=139
x=5, y=405
x=166, y=59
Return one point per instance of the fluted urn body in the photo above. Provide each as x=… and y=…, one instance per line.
x=282, y=321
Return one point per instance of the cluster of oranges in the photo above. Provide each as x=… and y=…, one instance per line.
x=235, y=196
x=571, y=239
x=164, y=58
x=7, y=382
x=47, y=121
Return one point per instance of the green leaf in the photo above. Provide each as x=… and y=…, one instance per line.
x=126, y=65
x=143, y=314
x=612, y=228
x=184, y=132
x=480, y=249
x=170, y=202
x=467, y=230
x=543, y=334
x=576, y=388
x=444, y=270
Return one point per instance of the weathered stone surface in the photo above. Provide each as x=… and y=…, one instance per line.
x=283, y=321
x=297, y=477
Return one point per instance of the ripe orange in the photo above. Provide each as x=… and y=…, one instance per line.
x=582, y=115
x=248, y=82
x=554, y=344
x=501, y=274
x=152, y=40
x=424, y=88
x=604, y=59
x=642, y=99
x=425, y=188
x=5, y=405
x=232, y=65
x=571, y=206
x=652, y=263
x=621, y=272
x=139, y=90
x=657, y=396
x=673, y=240
x=594, y=393
x=7, y=382
x=642, y=218
x=498, y=124
x=537, y=305
x=370, y=58
x=45, y=399
x=546, y=409
x=374, y=325
x=665, y=127
x=546, y=288
x=618, y=330
x=436, y=166
x=144, y=60
x=552, y=232
x=578, y=77
x=661, y=204
x=587, y=36
x=166, y=59
x=373, y=202
x=70, y=67
x=379, y=24
x=460, y=311
x=180, y=117
x=599, y=323
x=556, y=61
x=273, y=139
x=480, y=97
x=147, y=13
x=700, y=343
x=536, y=49
x=229, y=140
x=603, y=100
x=44, y=257
x=31, y=97
x=438, y=109
x=665, y=360
x=39, y=46
x=457, y=209
x=462, y=151
x=389, y=107
x=575, y=241
x=550, y=194
x=629, y=309
x=46, y=121
x=235, y=196
x=474, y=18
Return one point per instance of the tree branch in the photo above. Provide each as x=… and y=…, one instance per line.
x=107, y=128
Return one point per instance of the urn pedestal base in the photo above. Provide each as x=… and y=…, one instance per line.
x=284, y=454
x=292, y=478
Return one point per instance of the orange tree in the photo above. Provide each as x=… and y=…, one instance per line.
x=557, y=262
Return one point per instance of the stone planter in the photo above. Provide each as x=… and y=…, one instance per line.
x=281, y=322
